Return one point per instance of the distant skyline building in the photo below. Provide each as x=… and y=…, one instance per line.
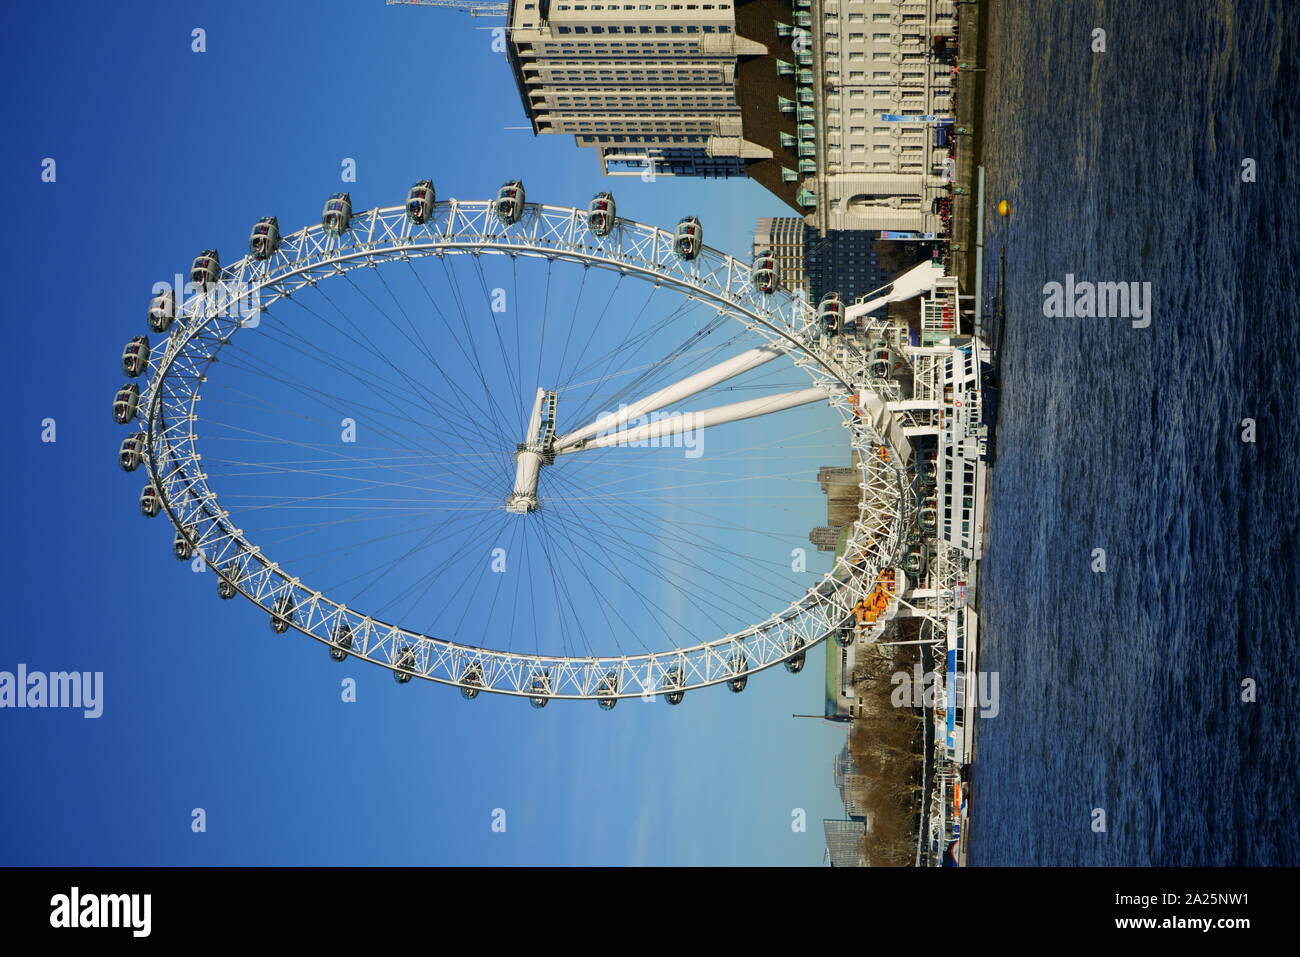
x=844, y=842
x=825, y=538
x=840, y=484
x=852, y=785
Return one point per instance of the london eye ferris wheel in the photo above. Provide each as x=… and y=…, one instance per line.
x=492, y=444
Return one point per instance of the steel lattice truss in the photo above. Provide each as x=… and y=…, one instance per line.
x=206, y=321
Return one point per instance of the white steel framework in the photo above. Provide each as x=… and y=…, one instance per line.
x=207, y=321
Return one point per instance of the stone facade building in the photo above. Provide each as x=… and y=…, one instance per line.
x=787, y=92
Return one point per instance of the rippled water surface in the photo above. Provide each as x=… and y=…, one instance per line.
x=1121, y=690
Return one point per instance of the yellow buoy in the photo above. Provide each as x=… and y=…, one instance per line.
x=1004, y=208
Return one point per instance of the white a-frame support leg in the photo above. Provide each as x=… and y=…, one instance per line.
x=678, y=423
x=541, y=444
x=666, y=396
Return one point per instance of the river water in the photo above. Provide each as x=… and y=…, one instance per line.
x=1122, y=690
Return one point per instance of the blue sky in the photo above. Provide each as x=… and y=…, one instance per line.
x=162, y=152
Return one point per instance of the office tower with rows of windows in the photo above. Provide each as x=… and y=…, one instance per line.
x=844, y=842
x=757, y=88
x=842, y=261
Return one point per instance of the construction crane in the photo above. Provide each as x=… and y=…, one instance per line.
x=473, y=9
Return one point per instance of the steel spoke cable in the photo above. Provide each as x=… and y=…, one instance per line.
x=465, y=542
x=579, y=529
x=641, y=382
x=362, y=341
x=577, y=520
x=395, y=325
x=638, y=520
x=730, y=526
x=620, y=349
x=278, y=440
x=638, y=524
x=458, y=298
x=512, y=375
x=415, y=599
x=399, y=436
x=573, y=321
x=415, y=523
x=415, y=386
x=373, y=385
x=417, y=391
x=566, y=602
x=485, y=490
x=371, y=484
x=519, y=361
x=576, y=546
x=595, y=327
x=602, y=602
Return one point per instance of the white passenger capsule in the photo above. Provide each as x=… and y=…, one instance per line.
x=264, y=240
x=282, y=613
x=183, y=545
x=162, y=311
x=672, y=684
x=405, y=663
x=471, y=680
x=688, y=239
x=126, y=402
x=739, y=666
x=540, y=687
x=131, y=454
x=510, y=202
x=915, y=562
x=206, y=270
x=225, y=581
x=336, y=217
x=763, y=273
x=794, y=664
x=601, y=213
x=830, y=313
x=150, y=502
x=606, y=690
x=420, y=202
x=341, y=641
x=135, y=356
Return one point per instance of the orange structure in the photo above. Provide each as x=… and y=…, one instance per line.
x=868, y=610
